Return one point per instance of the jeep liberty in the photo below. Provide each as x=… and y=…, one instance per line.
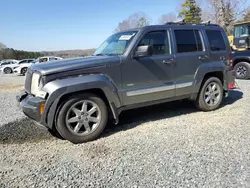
x=74, y=98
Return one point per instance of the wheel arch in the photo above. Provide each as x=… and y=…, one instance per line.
x=60, y=90
x=207, y=70
x=236, y=61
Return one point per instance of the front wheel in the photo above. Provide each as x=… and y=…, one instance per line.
x=211, y=95
x=82, y=118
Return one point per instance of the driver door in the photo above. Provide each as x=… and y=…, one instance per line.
x=150, y=78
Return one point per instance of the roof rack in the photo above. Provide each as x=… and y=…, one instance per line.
x=182, y=22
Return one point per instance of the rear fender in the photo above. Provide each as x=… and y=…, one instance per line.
x=208, y=68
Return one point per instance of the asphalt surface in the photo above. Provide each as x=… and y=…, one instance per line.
x=169, y=145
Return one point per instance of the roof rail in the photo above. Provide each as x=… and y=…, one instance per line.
x=182, y=22
x=176, y=22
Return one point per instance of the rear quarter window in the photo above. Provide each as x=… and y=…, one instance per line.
x=216, y=40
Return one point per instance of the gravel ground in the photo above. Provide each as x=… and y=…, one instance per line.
x=170, y=145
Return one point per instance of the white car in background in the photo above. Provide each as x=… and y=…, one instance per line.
x=8, y=66
x=22, y=69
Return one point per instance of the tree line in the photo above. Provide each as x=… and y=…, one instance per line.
x=10, y=53
x=222, y=12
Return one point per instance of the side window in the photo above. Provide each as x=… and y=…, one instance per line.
x=216, y=40
x=6, y=63
x=21, y=62
x=159, y=40
x=52, y=59
x=188, y=41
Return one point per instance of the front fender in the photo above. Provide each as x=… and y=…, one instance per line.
x=58, y=88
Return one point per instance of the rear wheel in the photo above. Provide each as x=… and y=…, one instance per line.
x=82, y=118
x=242, y=70
x=24, y=70
x=211, y=95
x=7, y=70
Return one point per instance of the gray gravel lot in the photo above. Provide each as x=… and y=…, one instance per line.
x=170, y=145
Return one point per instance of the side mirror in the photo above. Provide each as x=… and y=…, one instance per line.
x=143, y=51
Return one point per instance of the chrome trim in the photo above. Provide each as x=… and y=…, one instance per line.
x=184, y=84
x=150, y=90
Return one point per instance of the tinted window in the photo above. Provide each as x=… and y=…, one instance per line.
x=188, y=41
x=216, y=40
x=158, y=40
x=21, y=62
x=6, y=63
x=52, y=58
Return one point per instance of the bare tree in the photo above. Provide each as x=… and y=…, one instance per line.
x=2, y=46
x=138, y=19
x=225, y=12
x=246, y=16
x=169, y=17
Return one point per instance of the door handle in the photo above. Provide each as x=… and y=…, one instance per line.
x=168, y=61
x=223, y=58
x=203, y=57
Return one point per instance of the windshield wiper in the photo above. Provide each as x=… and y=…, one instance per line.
x=100, y=54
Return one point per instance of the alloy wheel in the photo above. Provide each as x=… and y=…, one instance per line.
x=83, y=117
x=241, y=71
x=212, y=94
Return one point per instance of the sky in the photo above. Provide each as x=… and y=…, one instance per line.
x=47, y=25
x=34, y=25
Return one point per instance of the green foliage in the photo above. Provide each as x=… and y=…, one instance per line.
x=191, y=12
x=10, y=53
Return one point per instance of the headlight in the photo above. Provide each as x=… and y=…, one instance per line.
x=36, y=84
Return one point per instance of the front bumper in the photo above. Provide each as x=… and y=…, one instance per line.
x=17, y=71
x=30, y=106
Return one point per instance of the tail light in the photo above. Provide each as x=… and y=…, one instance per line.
x=232, y=85
x=230, y=61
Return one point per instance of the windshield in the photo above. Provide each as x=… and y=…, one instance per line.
x=241, y=31
x=116, y=44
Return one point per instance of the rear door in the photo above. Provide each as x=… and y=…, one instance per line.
x=190, y=54
x=219, y=51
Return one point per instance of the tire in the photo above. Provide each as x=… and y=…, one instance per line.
x=88, y=130
x=7, y=70
x=204, y=95
x=242, y=70
x=23, y=71
x=55, y=133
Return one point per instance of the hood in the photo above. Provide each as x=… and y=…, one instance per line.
x=64, y=65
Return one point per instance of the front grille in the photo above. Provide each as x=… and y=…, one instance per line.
x=28, y=81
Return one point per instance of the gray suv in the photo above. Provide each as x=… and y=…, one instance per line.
x=74, y=98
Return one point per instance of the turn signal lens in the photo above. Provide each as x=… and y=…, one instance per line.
x=42, y=109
